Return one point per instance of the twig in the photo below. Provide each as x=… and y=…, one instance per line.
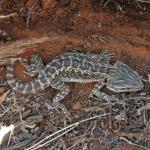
x=80, y=139
x=46, y=143
x=138, y=3
x=106, y=3
x=7, y=16
x=133, y=143
x=37, y=145
x=30, y=11
x=70, y=127
x=6, y=111
x=144, y=1
x=3, y=97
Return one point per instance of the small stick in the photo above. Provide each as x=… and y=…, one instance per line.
x=7, y=16
x=30, y=11
x=106, y=3
x=144, y=1
x=134, y=144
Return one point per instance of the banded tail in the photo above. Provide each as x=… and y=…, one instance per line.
x=3, y=83
x=19, y=86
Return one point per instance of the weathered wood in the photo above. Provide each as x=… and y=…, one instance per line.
x=11, y=49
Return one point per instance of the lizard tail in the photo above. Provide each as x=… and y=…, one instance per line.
x=20, y=86
x=3, y=83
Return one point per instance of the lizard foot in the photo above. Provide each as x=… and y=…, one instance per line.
x=57, y=105
x=104, y=96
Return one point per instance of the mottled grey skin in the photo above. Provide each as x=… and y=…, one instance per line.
x=99, y=58
x=76, y=67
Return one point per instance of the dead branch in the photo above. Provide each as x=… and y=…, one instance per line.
x=144, y=1
x=7, y=16
x=12, y=49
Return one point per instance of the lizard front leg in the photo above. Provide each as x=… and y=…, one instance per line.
x=63, y=91
x=98, y=94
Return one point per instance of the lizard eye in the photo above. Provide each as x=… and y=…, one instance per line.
x=105, y=80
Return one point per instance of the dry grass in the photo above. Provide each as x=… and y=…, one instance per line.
x=110, y=126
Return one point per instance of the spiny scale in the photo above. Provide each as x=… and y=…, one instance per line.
x=98, y=58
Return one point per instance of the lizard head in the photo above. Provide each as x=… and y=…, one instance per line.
x=125, y=79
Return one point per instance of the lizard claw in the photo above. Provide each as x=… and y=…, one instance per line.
x=111, y=98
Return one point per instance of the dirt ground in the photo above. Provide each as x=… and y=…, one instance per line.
x=121, y=27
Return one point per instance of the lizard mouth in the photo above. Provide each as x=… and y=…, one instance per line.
x=125, y=79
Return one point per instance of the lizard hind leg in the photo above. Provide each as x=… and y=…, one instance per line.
x=63, y=91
